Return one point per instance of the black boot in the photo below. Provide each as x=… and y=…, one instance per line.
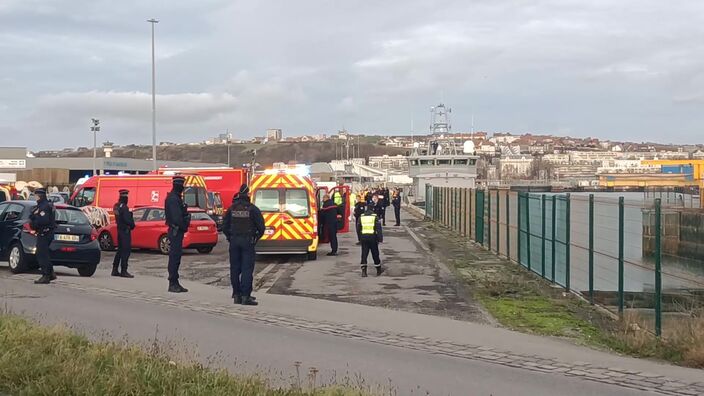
x=248, y=300
x=379, y=271
x=125, y=274
x=115, y=272
x=176, y=287
x=238, y=299
x=364, y=272
x=44, y=280
x=53, y=276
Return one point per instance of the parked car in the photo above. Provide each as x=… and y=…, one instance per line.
x=151, y=231
x=75, y=242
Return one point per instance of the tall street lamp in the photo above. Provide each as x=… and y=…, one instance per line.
x=153, y=22
x=95, y=129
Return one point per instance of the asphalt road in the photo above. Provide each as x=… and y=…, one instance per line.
x=244, y=346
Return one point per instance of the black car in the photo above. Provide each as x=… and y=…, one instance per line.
x=75, y=242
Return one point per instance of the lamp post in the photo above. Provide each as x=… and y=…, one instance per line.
x=229, y=141
x=95, y=128
x=153, y=22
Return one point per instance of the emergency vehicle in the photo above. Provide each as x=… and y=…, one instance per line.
x=145, y=190
x=226, y=181
x=289, y=201
x=7, y=193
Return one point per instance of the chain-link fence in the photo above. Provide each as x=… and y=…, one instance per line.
x=626, y=252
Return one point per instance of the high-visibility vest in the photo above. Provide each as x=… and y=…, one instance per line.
x=337, y=198
x=368, y=223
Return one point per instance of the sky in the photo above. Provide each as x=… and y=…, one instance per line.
x=622, y=70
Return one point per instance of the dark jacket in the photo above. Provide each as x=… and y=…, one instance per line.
x=378, y=233
x=328, y=214
x=176, y=212
x=255, y=217
x=359, y=208
x=43, y=217
x=396, y=201
x=123, y=218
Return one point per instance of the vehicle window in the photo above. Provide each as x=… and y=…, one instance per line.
x=296, y=203
x=461, y=162
x=199, y=216
x=156, y=215
x=138, y=214
x=195, y=197
x=444, y=162
x=71, y=216
x=2, y=209
x=218, y=201
x=211, y=199
x=3, y=196
x=12, y=213
x=414, y=162
x=267, y=200
x=85, y=197
x=427, y=162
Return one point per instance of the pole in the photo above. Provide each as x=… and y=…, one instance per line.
x=542, y=254
x=620, y=255
x=95, y=151
x=591, y=249
x=568, y=243
x=554, y=234
x=508, y=226
x=153, y=21
x=658, y=268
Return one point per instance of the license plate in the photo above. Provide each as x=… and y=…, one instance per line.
x=203, y=228
x=269, y=231
x=66, y=238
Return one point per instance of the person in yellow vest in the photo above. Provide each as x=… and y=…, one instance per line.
x=338, y=198
x=369, y=228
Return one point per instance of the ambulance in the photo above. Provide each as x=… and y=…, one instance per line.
x=290, y=201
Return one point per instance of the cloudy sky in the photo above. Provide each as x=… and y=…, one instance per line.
x=627, y=69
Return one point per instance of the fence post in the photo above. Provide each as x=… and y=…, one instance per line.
x=591, y=249
x=508, y=225
x=554, y=233
x=487, y=198
x=620, y=255
x=542, y=254
x=568, y=226
x=520, y=207
x=498, y=221
x=528, y=228
x=658, y=268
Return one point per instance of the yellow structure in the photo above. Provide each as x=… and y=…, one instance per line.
x=659, y=179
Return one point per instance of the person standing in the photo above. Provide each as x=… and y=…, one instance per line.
x=328, y=217
x=43, y=222
x=178, y=220
x=125, y=225
x=339, y=198
x=243, y=226
x=359, y=207
x=370, y=228
x=396, y=202
x=379, y=208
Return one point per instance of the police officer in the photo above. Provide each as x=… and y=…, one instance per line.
x=329, y=222
x=359, y=207
x=43, y=222
x=125, y=225
x=370, y=228
x=242, y=225
x=396, y=202
x=178, y=220
x=338, y=198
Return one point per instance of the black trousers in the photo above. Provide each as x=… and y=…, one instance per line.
x=373, y=247
x=359, y=233
x=124, y=250
x=242, y=256
x=175, y=252
x=42, y=254
x=332, y=237
x=397, y=213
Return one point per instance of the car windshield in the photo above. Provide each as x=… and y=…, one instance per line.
x=296, y=203
x=199, y=216
x=267, y=200
x=71, y=216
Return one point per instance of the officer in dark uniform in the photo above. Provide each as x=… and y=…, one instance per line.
x=370, y=228
x=396, y=202
x=359, y=207
x=178, y=220
x=340, y=200
x=125, y=225
x=43, y=222
x=329, y=222
x=243, y=225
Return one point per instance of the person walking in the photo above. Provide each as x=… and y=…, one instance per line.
x=328, y=217
x=125, y=225
x=370, y=228
x=43, y=222
x=396, y=202
x=178, y=220
x=243, y=226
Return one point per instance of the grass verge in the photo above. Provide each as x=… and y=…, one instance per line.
x=37, y=360
x=521, y=300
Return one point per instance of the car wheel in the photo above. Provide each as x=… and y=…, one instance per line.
x=105, y=241
x=205, y=250
x=17, y=259
x=312, y=256
x=164, y=244
x=87, y=270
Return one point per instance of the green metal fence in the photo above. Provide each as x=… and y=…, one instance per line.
x=625, y=254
